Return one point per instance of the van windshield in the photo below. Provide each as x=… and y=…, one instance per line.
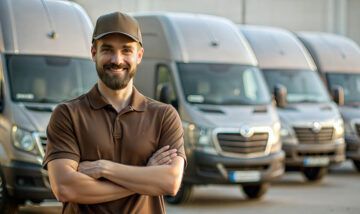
x=302, y=85
x=222, y=84
x=350, y=82
x=49, y=79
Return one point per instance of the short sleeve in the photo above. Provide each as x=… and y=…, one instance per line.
x=61, y=139
x=172, y=132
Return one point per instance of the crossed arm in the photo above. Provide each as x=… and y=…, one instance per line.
x=79, y=183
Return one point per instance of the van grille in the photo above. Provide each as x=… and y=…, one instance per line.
x=236, y=143
x=308, y=136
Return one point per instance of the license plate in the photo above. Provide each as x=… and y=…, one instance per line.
x=316, y=161
x=244, y=176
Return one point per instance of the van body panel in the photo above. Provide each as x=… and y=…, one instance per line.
x=332, y=53
x=310, y=112
x=172, y=32
x=233, y=116
x=277, y=48
x=52, y=17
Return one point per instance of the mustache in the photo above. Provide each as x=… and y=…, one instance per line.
x=115, y=66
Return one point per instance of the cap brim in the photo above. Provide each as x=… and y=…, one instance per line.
x=117, y=32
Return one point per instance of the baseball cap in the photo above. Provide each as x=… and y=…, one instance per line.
x=117, y=22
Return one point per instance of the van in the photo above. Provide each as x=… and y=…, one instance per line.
x=338, y=61
x=203, y=66
x=44, y=59
x=312, y=130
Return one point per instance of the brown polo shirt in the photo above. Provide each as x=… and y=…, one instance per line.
x=88, y=128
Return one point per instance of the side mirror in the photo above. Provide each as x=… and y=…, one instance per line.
x=165, y=93
x=165, y=96
x=280, y=94
x=337, y=93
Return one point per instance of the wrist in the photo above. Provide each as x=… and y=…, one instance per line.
x=104, y=166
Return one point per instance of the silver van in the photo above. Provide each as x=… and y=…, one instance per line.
x=204, y=67
x=312, y=130
x=44, y=59
x=338, y=61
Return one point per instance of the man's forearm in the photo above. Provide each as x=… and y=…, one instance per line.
x=86, y=190
x=69, y=185
x=151, y=180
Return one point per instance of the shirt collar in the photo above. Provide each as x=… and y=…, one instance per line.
x=97, y=101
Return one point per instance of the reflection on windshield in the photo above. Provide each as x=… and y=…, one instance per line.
x=302, y=85
x=350, y=82
x=222, y=84
x=49, y=79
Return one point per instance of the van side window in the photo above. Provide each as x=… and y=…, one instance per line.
x=165, y=90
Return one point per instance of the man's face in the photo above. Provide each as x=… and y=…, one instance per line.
x=116, y=57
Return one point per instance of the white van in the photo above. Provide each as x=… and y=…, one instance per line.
x=44, y=59
x=204, y=67
x=338, y=61
x=312, y=130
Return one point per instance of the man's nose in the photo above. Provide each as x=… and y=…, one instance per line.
x=117, y=58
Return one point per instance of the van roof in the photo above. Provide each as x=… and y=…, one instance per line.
x=48, y=27
x=332, y=53
x=277, y=48
x=193, y=38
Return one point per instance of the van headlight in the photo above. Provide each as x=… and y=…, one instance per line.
x=23, y=140
x=199, y=136
x=349, y=130
x=339, y=128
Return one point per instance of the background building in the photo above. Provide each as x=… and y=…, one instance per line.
x=335, y=16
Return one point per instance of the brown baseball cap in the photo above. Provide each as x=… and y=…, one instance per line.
x=117, y=22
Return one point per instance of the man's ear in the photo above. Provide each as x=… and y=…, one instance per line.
x=93, y=51
x=140, y=54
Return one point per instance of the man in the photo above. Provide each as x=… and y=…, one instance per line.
x=113, y=150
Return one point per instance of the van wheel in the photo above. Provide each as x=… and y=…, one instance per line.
x=182, y=195
x=8, y=205
x=255, y=191
x=357, y=164
x=314, y=173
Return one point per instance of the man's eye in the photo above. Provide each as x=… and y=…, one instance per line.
x=126, y=50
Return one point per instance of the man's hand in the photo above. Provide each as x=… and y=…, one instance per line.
x=162, y=156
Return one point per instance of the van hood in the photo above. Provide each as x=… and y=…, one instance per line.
x=32, y=117
x=232, y=116
x=308, y=113
x=350, y=112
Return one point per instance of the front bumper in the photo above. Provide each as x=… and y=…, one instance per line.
x=24, y=181
x=352, y=148
x=215, y=169
x=298, y=154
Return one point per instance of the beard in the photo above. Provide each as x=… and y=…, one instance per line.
x=112, y=81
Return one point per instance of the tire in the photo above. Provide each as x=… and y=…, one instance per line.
x=182, y=196
x=357, y=164
x=8, y=205
x=255, y=191
x=314, y=173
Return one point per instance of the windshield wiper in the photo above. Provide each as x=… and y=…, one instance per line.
x=40, y=108
x=47, y=100
x=306, y=101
